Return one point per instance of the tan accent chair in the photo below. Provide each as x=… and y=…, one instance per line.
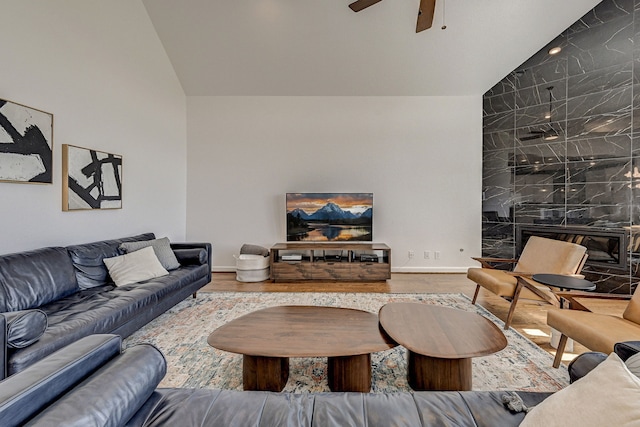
x=540, y=255
x=596, y=331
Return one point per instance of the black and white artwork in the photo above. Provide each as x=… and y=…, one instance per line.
x=93, y=179
x=26, y=144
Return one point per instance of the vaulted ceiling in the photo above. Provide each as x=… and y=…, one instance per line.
x=321, y=47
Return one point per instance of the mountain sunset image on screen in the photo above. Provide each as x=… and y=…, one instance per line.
x=329, y=216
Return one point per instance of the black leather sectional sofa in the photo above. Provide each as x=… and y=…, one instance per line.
x=92, y=383
x=54, y=296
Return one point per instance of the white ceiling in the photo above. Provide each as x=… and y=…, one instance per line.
x=321, y=47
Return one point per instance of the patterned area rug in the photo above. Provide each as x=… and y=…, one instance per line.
x=181, y=334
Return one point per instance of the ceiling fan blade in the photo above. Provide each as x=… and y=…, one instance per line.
x=358, y=5
x=425, y=15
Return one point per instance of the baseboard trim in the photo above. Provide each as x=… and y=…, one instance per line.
x=232, y=269
x=429, y=269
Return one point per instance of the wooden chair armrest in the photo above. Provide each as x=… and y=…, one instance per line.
x=532, y=285
x=571, y=296
x=487, y=262
x=520, y=274
x=593, y=295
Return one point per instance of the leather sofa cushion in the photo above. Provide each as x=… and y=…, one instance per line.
x=93, y=311
x=102, y=310
x=24, y=394
x=627, y=349
x=488, y=410
x=25, y=327
x=354, y=409
x=112, y=395
x=34, y=278
x=200, y=407
x=87, y=259
x=177, y=279
x=583, y=364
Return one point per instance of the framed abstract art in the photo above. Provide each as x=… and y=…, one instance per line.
x=26, y=144
x=91, y=179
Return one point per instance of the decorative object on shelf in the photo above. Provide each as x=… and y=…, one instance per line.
x=26, y=144
x=332, y=255
x=91, y=179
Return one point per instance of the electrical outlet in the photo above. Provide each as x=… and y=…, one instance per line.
x=426, y=255
x=436, y=254
x=411, y=254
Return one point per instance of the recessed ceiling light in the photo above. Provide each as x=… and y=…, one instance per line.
x=555, y=50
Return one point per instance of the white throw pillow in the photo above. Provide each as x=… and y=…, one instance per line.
x=609, y=395
x=135, y=267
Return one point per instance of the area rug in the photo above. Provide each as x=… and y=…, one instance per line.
x=181, y=334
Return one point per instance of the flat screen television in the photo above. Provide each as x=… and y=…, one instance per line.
x=330, y=217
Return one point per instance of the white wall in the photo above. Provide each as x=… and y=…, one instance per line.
x=420, y=156
x=100, y=68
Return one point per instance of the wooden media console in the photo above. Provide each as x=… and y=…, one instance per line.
x=330, y=261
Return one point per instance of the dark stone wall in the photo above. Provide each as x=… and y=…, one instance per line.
x=561, y=141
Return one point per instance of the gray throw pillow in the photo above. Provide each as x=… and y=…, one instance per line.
x=25, y=327
x=161, y=247
x=633, y=364
x=248, y=249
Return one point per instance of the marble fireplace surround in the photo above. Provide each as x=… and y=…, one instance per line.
x=588, y=177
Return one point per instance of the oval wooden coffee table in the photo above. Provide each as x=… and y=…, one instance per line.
x=268, y=338
x=441, y=342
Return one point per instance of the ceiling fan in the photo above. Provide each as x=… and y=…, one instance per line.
x=425, y=12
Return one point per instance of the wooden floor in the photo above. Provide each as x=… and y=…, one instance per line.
x=529, y=318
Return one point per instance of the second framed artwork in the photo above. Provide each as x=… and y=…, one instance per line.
x=91, y=179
